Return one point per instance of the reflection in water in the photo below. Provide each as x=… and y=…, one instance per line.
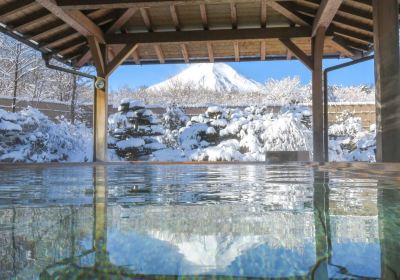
x=233, y=220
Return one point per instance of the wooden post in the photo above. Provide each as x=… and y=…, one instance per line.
x=387, y=79
x=100, y=106
x=317, y=94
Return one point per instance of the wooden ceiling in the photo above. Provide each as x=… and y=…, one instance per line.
x=186, y=31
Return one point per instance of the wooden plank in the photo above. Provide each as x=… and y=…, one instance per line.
x=210, y=35
x=39, y=16
x=160, y=53
x=175, y=18
x=100, y=122
x=120, y=58
x=210, y=52
x=326, y=12
x=185, y=53
x=293, y=48
x=317, y=95
x=146, y=19
x=76, y=19
x=203, y=13
x=387, y=80
x=263, y=50
x=233, y=15
x=237, y=51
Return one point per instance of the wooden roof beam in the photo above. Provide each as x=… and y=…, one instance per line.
x=326, y=12
x=26, y=21
x=237, y=51
x=121, y=4
x=263, y=13
x=203, y=13
x=160, y=53
x=233, y=15
x=136, y=57
x=76, y=19
x=175, y=18
x=296, y=51
x=287, y=12
x=122, y=20
x=263, y=50
x=210, y=52
x=341, y=47
x=97, y=55
x=210, y=35
x=117, y=25
x=146, y=19
x=15, y=7
x=185, y=53
x=120, y=58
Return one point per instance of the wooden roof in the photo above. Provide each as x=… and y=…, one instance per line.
x=186, y=30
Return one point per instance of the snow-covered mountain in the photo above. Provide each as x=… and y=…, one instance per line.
x=218, y=77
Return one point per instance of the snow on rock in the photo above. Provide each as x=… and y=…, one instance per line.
x=29, y=136
x=218, y=77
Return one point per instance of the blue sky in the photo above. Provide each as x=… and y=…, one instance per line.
x=136, y=75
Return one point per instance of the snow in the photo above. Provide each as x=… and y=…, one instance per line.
x=29, y=136
x=130, y=143
x=218, y=77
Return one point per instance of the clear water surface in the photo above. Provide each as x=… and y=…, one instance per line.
x=196, y=221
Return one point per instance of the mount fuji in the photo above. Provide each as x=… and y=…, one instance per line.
x=218, y=77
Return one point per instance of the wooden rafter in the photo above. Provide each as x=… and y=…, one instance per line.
x=288, y=13
x=210, y=35
x=118, y=24
x=237, y=51
x=185, y=53
x=76, y=19
x=262, y=50
x=136, y=56
x=122, y=20
x=146, y=19
x=14, y=7
x=263, y=14
x=210, y=52
x=160, y=53
x=295, y=50
x=233, y=15
x=203, y=13
x=340, y=47
x=27, y=21
x=97, y=55
x=175, y=17
x=120, y=58
x=326, y=12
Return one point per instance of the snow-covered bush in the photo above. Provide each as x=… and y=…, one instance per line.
x=348, y=141
x=173, y=120
x=134, y=131
x=29, y=136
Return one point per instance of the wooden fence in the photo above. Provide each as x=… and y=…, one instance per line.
x=85, y=113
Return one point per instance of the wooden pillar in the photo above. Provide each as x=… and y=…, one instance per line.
x=317, y=94
x=387, y=79
x=100, y=104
